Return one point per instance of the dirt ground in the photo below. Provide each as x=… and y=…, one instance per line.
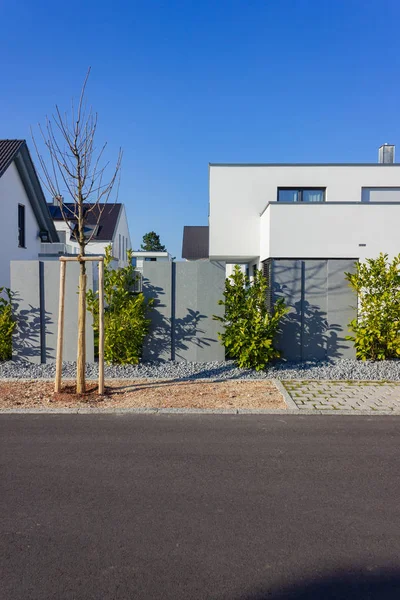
x=144, y=394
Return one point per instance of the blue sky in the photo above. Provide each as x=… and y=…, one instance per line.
x=182, y=84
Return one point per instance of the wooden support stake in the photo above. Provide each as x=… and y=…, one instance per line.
x=78, y=258
x=101, y=327
x=81, y=354
x=60, y=338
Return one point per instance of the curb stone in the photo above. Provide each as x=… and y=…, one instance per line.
x=195, y=411
x=291, y=404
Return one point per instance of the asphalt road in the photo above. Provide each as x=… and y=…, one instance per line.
x=179, y=507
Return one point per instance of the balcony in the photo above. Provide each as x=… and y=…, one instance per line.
x=329, y=230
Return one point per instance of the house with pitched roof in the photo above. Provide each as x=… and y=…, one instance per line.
x=25, y=218
x=105, y=224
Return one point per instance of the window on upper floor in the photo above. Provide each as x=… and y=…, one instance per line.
x=382, y=194
x=21, y=225
x=301, y=194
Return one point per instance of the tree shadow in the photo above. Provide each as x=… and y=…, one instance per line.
x=170, y=336
x=188, y=332
x=30, y=334
x=383, y=585
x=306, y=333
x=306, y=329
x=157, y=344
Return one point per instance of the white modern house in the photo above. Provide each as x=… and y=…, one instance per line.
x=306, y=225
x=25, y=219
x=303, y=211
x=106, y=224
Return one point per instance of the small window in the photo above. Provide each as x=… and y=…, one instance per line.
x=134, y=261
x=301, y=195
x=150, y=259
x=119, y=247
x=21, y=225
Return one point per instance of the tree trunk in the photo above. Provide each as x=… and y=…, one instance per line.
x=81, y=355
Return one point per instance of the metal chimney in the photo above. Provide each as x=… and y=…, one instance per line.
x=57, y=200
x=386, y=154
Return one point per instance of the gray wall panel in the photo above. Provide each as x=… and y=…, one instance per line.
x=211, y=284
x=186, y=295
x=321, y=306
x=25, y=283
x=287, y=284
x=157, y=284
x=36, y=284
x=51, y=299
x=342, y=308
x=199, y=286
x=314, y=310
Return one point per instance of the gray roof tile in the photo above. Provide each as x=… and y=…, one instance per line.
x=8, y=150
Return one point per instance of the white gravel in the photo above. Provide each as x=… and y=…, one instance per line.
x=339, y=370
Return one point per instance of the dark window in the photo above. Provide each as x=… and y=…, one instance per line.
x=301, y=195
x=21, y=225
x=134, y=261
x=150, y=259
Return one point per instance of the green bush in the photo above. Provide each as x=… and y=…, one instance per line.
x=7, y=324
x=377, y=327
x=125, y=322
x=249, y=327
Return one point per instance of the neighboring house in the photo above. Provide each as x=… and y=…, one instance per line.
x=139, y=257
x=25, y=218
x=109, y=227
x=305, y=225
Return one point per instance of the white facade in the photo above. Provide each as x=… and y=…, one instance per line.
x=141, y=256
x=358, y=219
x=12, y=193
x=121, y=241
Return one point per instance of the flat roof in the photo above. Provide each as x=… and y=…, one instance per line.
x=304, y=164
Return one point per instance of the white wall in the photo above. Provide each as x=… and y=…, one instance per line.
x=123, y=231
x=12, y=193
x=239, y=194
x=330, y=230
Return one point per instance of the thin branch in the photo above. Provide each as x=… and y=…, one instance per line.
x=74, y=166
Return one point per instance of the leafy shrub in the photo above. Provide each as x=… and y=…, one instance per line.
x=7, y=324
x=249, y=326
x=125, y=322
x=377, y=327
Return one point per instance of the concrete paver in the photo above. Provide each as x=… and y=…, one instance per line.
x=342, y=395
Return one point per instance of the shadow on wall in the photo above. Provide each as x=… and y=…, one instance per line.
x=308, y=328
x=383, y=585
x=28, y=338
x=160, y=343
x=188, y=332
x=305, y=332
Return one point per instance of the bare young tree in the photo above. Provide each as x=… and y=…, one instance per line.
x=74, y=169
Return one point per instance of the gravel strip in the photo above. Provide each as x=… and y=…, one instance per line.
x=339, y=370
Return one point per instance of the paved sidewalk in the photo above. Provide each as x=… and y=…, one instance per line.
x=345, y=395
